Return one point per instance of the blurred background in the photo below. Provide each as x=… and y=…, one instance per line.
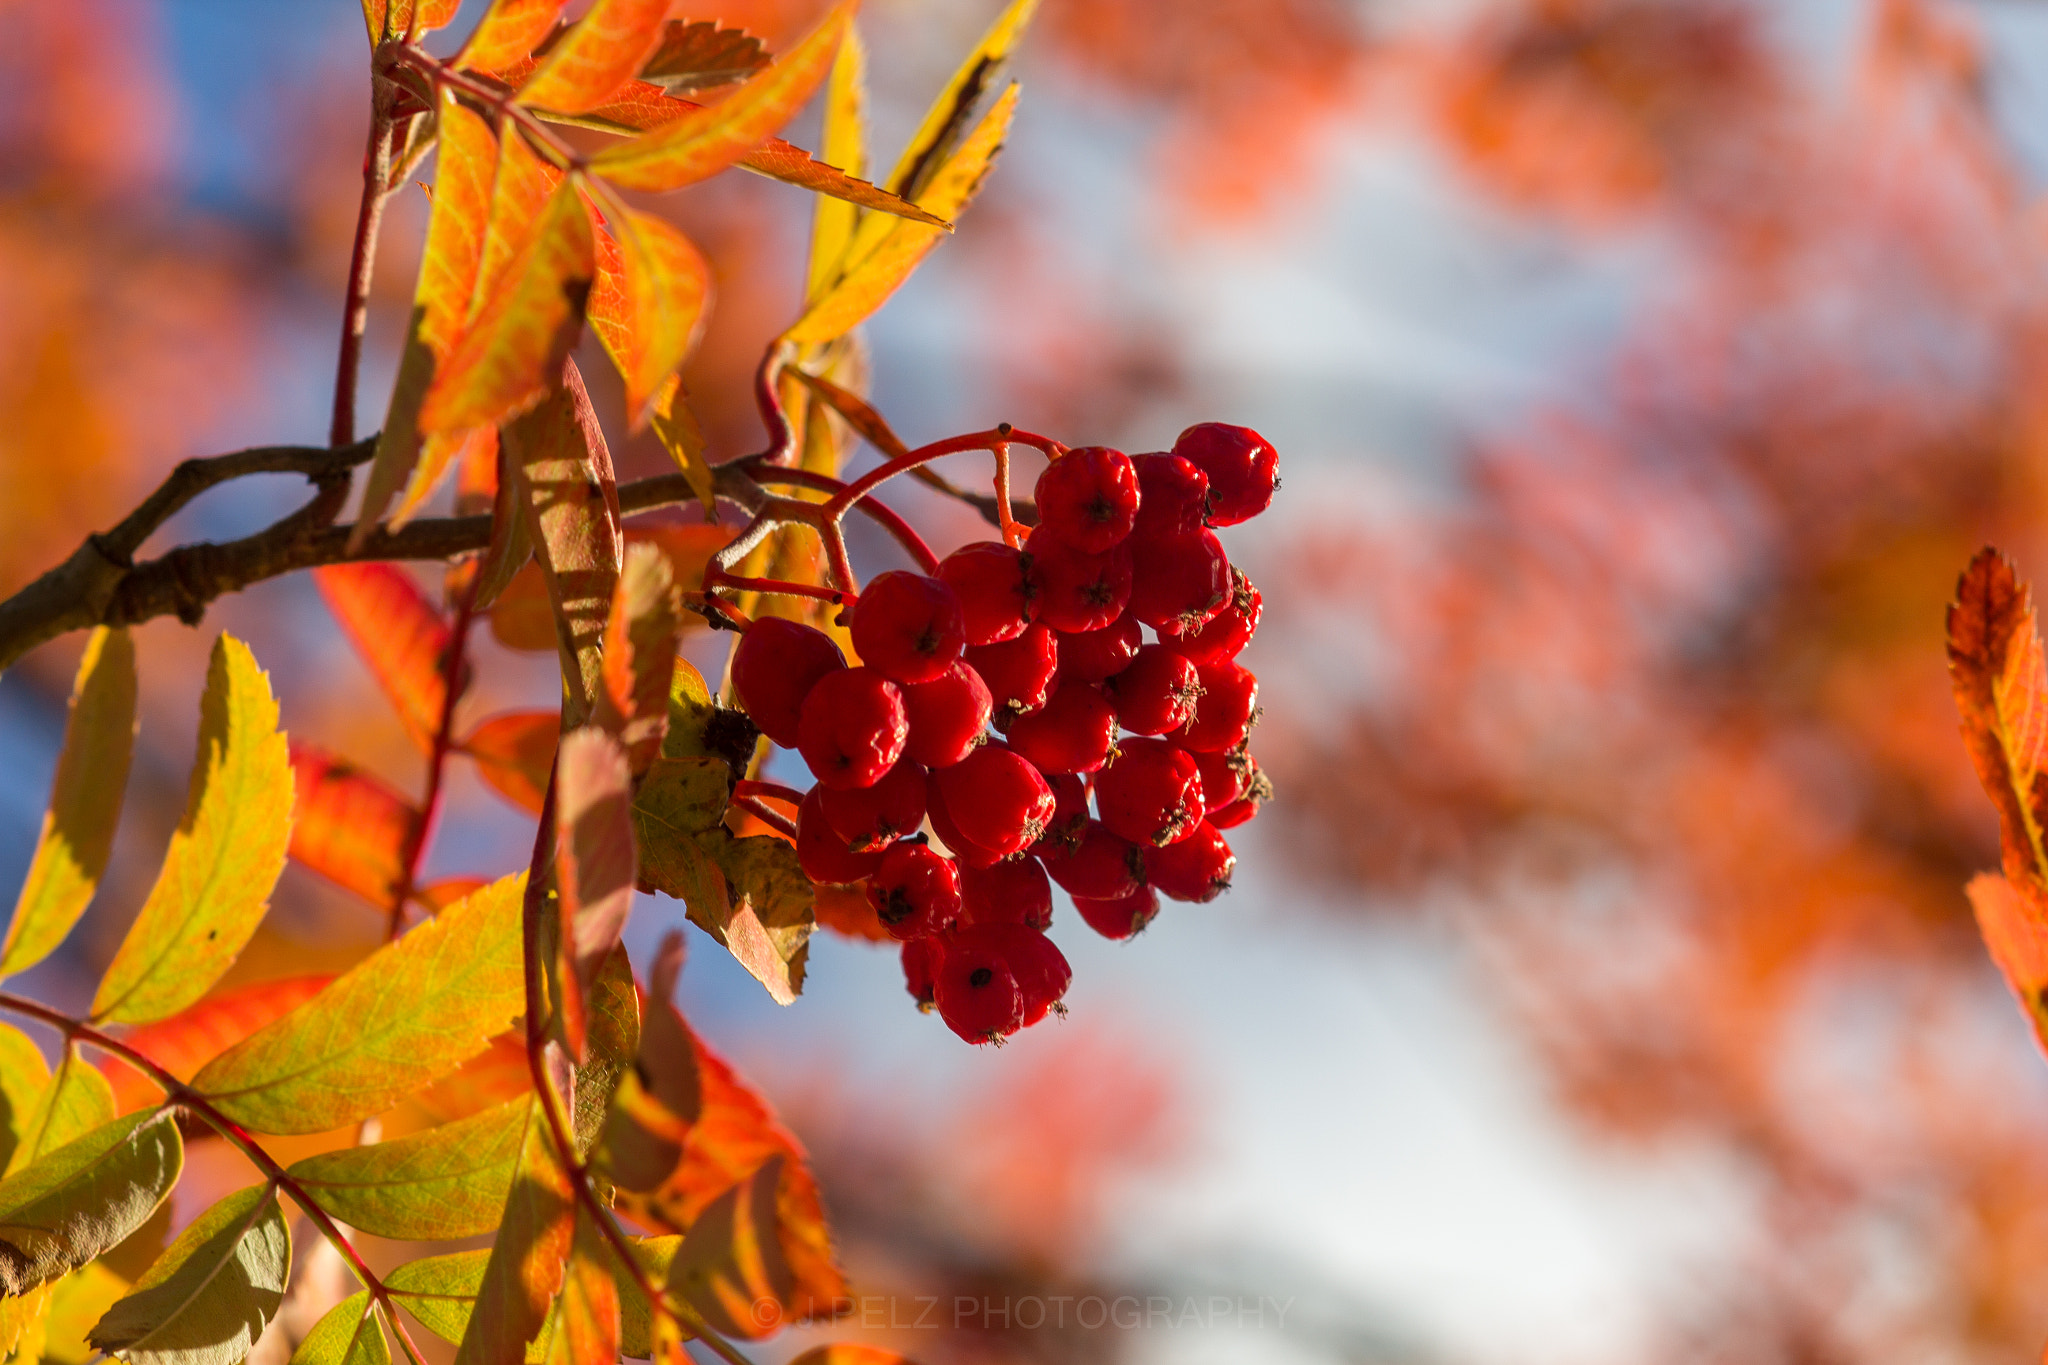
x=1600, y=987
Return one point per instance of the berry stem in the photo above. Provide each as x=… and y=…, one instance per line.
x=882, y=514
x=952, y=445
x=767, y=815
x=778, y=585
x=773, y=791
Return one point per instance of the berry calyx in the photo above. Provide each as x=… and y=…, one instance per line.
x=976, y=990
x=1013, y=891
x=874, y=817
x=1227, y=632
x=996, y=799
x=774, y=667
x=908, y=627
x=1089, y=497
x=1076, y=589
x=1151, y=794
x=1018, y=672
x=1223, y=778
x=1223, y=714
x=1173, y=496
x=852, y=728
x=820, y=851
x=1093, y=655
x=1122, y=917
x=1196, y=868
x=1156, y=692
x=1242, y=466
x=1258, y=790
x=1100, y=866
x=947, y=716
x=1069, y=814
x=995, y=593
x=915, y=892
x=1180, y=581
x=1075, y=732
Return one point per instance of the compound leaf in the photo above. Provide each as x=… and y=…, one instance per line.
x=224, y=858
x=398, y=1019
x=443, y=1183
x=85, y=803
x=349, y=1334
x=401, y=636
x=596, y=56
x=350, y=826
x=85, y=1197
x=208, y=1298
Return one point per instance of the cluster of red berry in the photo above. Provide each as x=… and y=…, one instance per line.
x=1047, y=644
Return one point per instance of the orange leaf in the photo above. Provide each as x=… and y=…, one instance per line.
x=2014, y=923
x=640, y=655
x=515, y=345
x=706, y=141
x=507, y=34
x=349, y=826
x=594, y=865
x=523, y=618
x=433, y=14
x=731, y=1266
x=847, y=1353
x=1995, y=666
x=438, y=896
x=398, y=633
x=498, y=1073
x=689, y=548
x=528, y=1260
x=515, y=753
x=647, y=303
x=520, y=187
x=197, y=1034
x=597, y=56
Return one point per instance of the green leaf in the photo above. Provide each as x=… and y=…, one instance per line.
x=24, y=1076
x=767, y=917
x=85, y=1197
x=208, y=1298
x=398, y=1019
x=444, y=1183
x=441, y=1290
x=661, y=1097
x=85, y=803
x=614, y=1041
x=77, y=1100
x=529, y=1258
x=348, y=1335
x=224, y=859
x=79, y=1300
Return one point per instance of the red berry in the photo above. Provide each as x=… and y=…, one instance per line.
x=1151, y=794
x=1018, y=672
x=1075, y=589
x=875, y=817
x=908, y=627
x=1223, y=716
x=853, y=728
x=995, y=595
x=1075, y=732
x=1179, y=581
x=1173, y=496
x=773, y=670
x=976, y=991
x=1258, y=790
x=1242, y=466
x=1069, y=814
x=947, y=715
x=1122, y=917
x=921, y=957
x=915, y=892
x=964, y=850
x=1013, y=891
x=1092, y=655
x=1227, y=632
x=996, y=799
x=1036, y=962
x=1089, y=496
x=1223, y=778
x=1195, y=869
x=1102, y=866
x=1157, y=692
x=820, y=851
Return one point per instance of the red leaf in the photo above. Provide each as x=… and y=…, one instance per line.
x=1996, y=667
x=515, y=753
x=398, y=633
x=349, y=826
x=196, y=1035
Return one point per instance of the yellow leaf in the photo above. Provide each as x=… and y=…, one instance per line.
x=85, y=803
x=224, y=858
x=843, y=144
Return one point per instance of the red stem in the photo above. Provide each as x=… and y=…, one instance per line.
x=437, y=759
x=355, y=312
x=714, y=578
x=952, y=445
x=767, y=815
x=881, y=513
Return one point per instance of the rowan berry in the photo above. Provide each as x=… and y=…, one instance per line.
x=1196, y=868
x=1092, y=655
x=1089, y=496
x=1013, y=891
x=1157, y=692
x=773, y=669
x=1180, y=581
x=1075, y=589
x=1018, y=672
x=908, y=627
x=852, y=728
x=964, y=850
x=1101, y=866
x=1173, y=496
x=921, y=958
x=1242, y=467
x=1069, y=814
x=915, y=892
x=1041, y=969
x=976, y=990
x=996, y=799
x=1151, y=794
x=1075, y=732
x=947, y=715
x=875, y=817
x=1122, y=917
x=1223, y=778
x=1224, y=634
x=1223, y=716
x=995, y=593
x=1258, y=790
x=820, y=851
